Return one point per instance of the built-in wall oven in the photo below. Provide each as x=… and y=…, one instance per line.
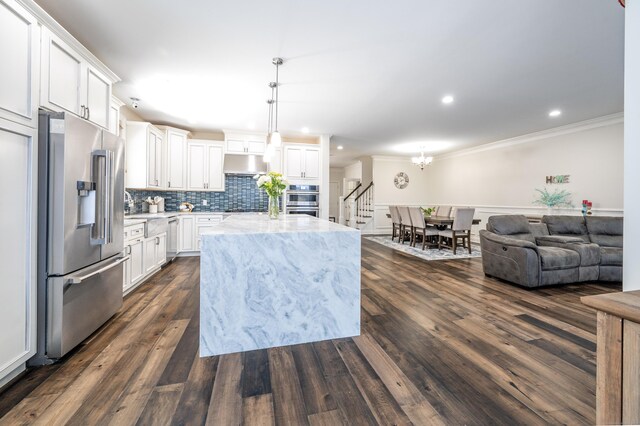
x=303, y=199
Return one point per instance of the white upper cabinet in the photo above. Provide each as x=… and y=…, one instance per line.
x=114, y=115
x=238, y=143
x=236, y=146
x=215, y=175
x=98, y=98
x=302, y=162
x=205, y=161
x=143, y=156
x=19, y=50
x=70, y=83
x=175, y=160
x=293, y=160
x=312, y=163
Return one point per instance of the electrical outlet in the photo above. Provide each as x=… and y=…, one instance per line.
x=205, y=202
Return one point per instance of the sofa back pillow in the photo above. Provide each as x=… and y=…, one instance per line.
x=514, y=226
x=567, y=226
x=606, y=231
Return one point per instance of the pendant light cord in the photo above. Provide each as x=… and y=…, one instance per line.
x=277, y=86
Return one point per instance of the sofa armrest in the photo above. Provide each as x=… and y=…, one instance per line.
x=510, y=259
x=508, y=241
x=549, y=240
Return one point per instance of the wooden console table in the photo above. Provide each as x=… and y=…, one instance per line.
x=618, y=357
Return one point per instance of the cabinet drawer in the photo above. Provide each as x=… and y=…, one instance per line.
x=133, y=231
x=209, y=219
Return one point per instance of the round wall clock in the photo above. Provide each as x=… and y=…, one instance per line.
x=401, y=180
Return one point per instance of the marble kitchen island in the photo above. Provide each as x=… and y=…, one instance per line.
x=267, y=283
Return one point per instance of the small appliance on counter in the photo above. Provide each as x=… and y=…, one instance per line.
x=186, y=207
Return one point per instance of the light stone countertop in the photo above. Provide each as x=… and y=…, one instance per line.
x=262, y=224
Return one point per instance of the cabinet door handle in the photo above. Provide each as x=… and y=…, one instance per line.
x=82, y=111
x=157, y=241
x=88, y=113
x=168, y=184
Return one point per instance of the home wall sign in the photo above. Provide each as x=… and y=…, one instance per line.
x=557, y=179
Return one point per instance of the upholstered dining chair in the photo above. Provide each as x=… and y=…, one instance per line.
x=395, y=222
x=443, y=211
x=461, y=229
x=405, y=222
x=420, y=228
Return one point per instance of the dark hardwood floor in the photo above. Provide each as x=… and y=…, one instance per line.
x=440, y=344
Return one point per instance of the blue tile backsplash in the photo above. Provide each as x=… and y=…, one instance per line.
x=241, y=194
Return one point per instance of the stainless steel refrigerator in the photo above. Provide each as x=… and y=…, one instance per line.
x=80, y=231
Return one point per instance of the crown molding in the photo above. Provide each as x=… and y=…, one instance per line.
x=404, y=159
x=580, y=126
x=46, y=20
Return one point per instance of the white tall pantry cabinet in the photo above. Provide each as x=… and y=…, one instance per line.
x=19, y=48
x=42, y=65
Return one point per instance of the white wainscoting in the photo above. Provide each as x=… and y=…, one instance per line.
x=382, y=224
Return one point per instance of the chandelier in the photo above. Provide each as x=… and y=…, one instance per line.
x=421, y=161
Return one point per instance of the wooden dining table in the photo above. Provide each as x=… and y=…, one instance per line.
x=444, y=220
x=441, y=222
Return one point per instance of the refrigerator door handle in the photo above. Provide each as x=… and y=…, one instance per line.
x=103, y=176
x=79, y=279
x=109, y=196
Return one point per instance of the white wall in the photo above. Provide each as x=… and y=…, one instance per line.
x=353, y=171
x=632, y=146
x=501, y=177
x=385, y=193
x=507, y=175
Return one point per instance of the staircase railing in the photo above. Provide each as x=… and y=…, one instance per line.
x=344, y=205
x=363, y=206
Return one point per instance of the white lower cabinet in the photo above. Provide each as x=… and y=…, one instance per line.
x=192, y=227
x=161, y=250
x=187, y=229
x=155, y=252
x=146, y=256
x=134, y=270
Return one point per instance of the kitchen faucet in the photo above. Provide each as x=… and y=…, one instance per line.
x=128, y=199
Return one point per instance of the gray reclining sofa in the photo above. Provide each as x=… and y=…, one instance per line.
x=561, y=250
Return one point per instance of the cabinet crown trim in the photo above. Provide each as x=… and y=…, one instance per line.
x=52, y=25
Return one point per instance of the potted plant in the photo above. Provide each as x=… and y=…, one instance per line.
x=274, y=185
x=428, y=211
x=558, y=198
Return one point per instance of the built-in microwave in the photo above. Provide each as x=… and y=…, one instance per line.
x=303, y=196
x=303, y=199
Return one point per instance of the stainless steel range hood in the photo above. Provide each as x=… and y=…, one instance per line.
x=235, y=164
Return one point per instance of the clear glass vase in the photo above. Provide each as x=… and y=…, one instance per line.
x=274, y=206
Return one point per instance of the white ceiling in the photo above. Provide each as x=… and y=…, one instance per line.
x=371, y=73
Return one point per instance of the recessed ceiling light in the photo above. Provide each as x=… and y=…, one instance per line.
x=305, y=130
x=555, y=113
x=447, y=99
x=340, y=147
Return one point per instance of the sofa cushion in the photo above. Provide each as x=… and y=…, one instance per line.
x=569, y=226
x=514, y=226
x=554, y=258
x=611, y=256
x=605, y=231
